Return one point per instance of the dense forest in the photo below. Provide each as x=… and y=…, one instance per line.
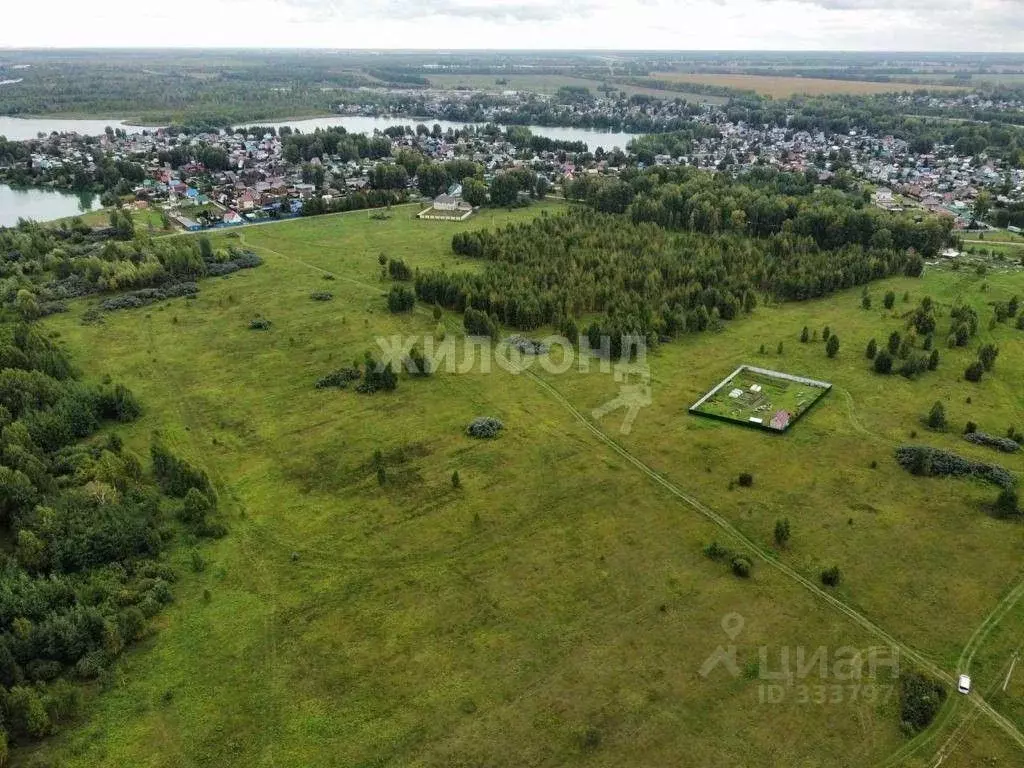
x=692, y=250
x=83, y=528
x=220, y=87
x=761, y=203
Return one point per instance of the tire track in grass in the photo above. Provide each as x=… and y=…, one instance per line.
x=855, y=616
x=852, y=407
x=245, y=540
x=858, y=618
x=956, y=738
x=736, y=535
x=963, y=666
x=1003, y=607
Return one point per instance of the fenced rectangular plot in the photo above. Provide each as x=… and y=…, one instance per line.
x=758, y=397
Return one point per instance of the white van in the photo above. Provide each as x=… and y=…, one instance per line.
x=964, y=684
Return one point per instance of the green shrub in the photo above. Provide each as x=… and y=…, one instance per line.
x=895, y=342
x=926, y=461
x=782, y=532
x=832, y=347
x=1004, y=444
x=1007, y=503
x=176, y=476
x=195, y=507
x=987, y=356
x=883, y=362
x=484, y=427
x=741, y=566
x=716, y=551
x=339, y=378
x=401, y=299
x=831, y=577
x=399, y=270
x=377, y=376
x=746, y=479
x=921, y=699
x=936, y=417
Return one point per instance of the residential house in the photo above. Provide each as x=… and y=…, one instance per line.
x=249, y=199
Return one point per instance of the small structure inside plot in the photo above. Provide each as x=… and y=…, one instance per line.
x=761, y=398
x=448, y=207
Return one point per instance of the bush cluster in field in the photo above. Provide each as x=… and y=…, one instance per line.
x=340, y=378
x=935, y=462
x=144, y=296
x=239, y=260
x=484, y=427
x=1004, y=444
x=372, y=375
x=740, y=564
x=920, y=700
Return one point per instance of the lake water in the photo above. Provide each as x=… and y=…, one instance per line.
x=358, y=124
x=19, y=128
x=41, y=205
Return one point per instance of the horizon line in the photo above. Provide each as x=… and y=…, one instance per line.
x=448, y=50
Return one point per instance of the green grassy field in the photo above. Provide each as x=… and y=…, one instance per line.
x=750, y=397
x=996, y=236
x=147, y=219
x=556, y=609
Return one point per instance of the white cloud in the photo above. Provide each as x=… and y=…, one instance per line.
x=989, y=25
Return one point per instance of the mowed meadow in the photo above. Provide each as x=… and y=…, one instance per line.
x=556, y=608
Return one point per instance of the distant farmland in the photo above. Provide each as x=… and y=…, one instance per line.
x=783, y=87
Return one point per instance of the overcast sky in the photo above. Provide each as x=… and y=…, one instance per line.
x=955, y=25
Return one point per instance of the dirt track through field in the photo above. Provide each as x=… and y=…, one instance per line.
x=768, y=558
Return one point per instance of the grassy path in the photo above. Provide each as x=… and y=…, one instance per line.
x=980, y=705
x=858, y=618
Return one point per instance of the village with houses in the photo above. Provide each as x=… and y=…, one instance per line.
x=250, y=175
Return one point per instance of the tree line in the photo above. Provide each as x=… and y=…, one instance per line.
x=639, y=277
x=86, y=526
x=45, y=266
x=762, y=203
